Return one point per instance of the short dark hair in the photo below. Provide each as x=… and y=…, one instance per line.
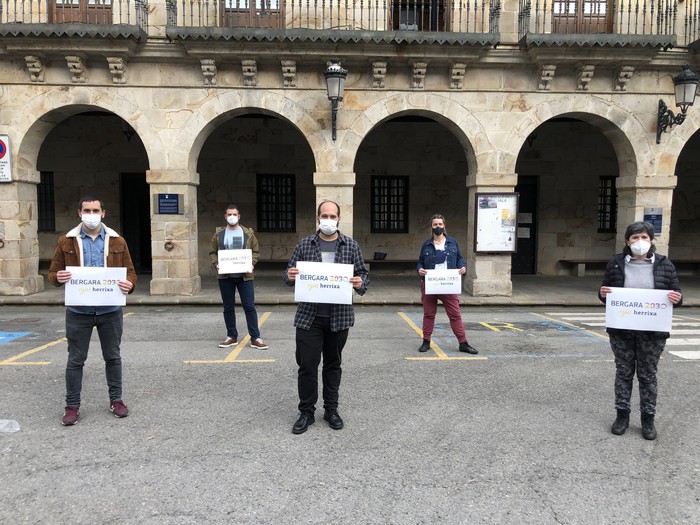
x=233, y=207
x=639, y=227
x=318, y=211
x=90, y=198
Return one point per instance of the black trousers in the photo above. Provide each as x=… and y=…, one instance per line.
x=312, y=344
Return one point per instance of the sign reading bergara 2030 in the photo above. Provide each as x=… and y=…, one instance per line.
x=323, y=283
x=89, y=286
x=5, y=159
x=638, y=309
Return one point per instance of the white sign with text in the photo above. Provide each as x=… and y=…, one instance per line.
x=90, y=286
x=638, y=309
x=235, y=261
x=441, y=282
x=323, y=283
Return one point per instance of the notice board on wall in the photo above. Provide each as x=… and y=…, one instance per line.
x=496, y=223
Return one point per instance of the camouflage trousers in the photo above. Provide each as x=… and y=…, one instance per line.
x=640, y=352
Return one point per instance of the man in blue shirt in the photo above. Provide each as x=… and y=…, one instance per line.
x=92, y=244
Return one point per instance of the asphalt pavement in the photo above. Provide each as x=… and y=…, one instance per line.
x=519, y=434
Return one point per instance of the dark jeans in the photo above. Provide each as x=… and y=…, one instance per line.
x=311, y=345
x=246, y=292
x=78, y=332
x=636, y=351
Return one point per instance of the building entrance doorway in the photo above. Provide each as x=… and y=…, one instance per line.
x=524, y=261
x=136, y=219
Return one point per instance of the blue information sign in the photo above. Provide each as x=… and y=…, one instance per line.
x=654, y=217
x=168, y=203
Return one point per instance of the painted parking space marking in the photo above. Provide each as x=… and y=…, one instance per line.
x=576, y=327
x=440, y=354
x=15, y=360
x=6, y=337
x=233, y=356
x=691, y=327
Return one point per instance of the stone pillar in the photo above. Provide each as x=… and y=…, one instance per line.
x=174, y=237
x=338, y=187
x=633, y=195
x=19, y=242
x=487, y=274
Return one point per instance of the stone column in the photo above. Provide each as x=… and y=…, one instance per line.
x=19, y=242
x=633, y=195
x=338, y=187
x=174, y=237
x=487, y=274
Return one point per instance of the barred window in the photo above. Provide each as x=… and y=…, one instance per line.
x=607, y=205
x=389, y=204
x=277, y=209
x=46, y=205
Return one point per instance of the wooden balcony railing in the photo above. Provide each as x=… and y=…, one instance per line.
x=93, y=12
x=461, y=16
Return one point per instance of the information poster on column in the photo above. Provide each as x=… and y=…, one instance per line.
x=496, y=224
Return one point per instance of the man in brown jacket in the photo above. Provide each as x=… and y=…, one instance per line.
x=92, y=244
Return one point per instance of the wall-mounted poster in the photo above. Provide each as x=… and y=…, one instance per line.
x=496, y=224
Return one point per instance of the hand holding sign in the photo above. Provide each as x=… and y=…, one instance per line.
x=235, y=261
x=88, y=286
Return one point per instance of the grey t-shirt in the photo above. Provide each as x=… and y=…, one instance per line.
x=327, y=256
x=639, y=273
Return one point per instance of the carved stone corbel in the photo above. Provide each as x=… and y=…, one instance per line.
x=546, y=75
x=76, y=66
x=117, y=66
x=419, y=70
x=585, y=75
x=289, y=73
x=209, y=71
x=457, y=75
x=624, y=75
x=35, y=66
x=250, y=73
x=378, y=74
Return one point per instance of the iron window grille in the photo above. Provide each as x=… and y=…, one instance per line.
x=276, y=203
x=389, y=204
x=607, y=205
x=46, y=203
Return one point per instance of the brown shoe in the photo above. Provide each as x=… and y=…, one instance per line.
x=258, y=343
x=230, y=341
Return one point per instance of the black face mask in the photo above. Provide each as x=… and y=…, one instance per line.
x=438, y=231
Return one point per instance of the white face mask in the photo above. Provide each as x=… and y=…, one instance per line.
x=640, y=247
x=91, y=220
x=232, y=219
x=328, y=226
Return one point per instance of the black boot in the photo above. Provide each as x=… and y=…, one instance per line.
x=648, y=428
x=621, y=423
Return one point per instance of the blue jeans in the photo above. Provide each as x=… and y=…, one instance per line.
x=78, y=333
x=246, y=293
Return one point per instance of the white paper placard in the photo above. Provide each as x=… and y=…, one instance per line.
x=638, y=309
x=323, y=283
x=439, y=282
x=235, y=261
x=90, y=286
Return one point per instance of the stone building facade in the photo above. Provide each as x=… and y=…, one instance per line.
x=219, y=102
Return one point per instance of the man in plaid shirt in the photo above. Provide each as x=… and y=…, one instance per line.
x=322, y=329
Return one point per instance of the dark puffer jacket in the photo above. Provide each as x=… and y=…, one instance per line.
x=665, y=276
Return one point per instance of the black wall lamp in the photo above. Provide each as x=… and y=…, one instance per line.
x=335, y=84
x=686, y=86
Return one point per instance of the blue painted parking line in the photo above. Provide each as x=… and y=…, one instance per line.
x=6, y=337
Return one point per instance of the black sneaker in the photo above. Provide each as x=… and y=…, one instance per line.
x=425, y=346
x=466, y=347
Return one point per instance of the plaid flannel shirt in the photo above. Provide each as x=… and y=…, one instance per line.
x=347, y=251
